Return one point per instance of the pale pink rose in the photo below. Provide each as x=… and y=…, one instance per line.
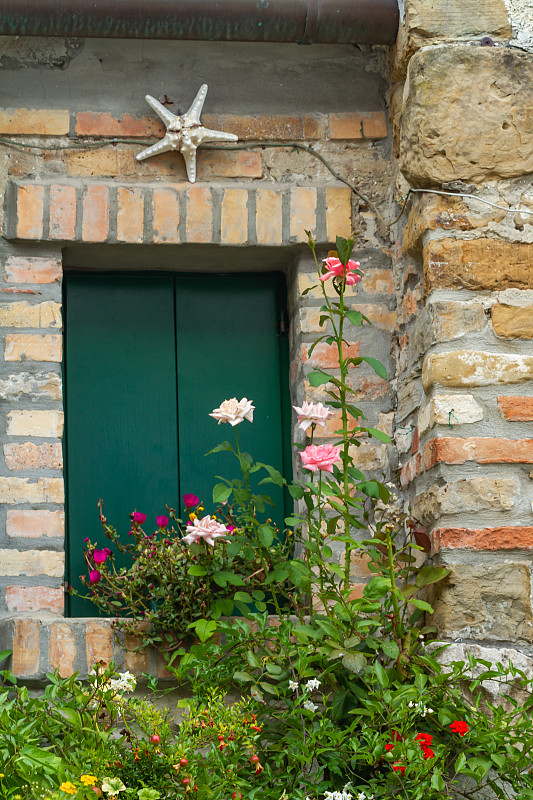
x=336, y=270
x=234, y=411
x=207, y=528
x=313, y=414
x=320, y=457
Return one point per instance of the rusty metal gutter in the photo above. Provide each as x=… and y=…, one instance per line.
x=296, y=21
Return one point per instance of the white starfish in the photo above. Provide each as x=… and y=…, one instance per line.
x=184, y=133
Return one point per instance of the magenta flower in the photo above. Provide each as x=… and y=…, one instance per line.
x=320, y=457
x=138, y=517
x=190, y=500
x=336, y=269
x=99, y=556
x=94, y=576
x=230, y=528
x=162, y=521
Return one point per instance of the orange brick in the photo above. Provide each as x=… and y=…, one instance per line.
x=30, y=206
x=484, y=450
x=379, y=315
x=234, y=217
x=130, y=215
x=34, y=524
x=62, y=649
x=303, y=213
x=166, y=215
x=35, y=598
x=95, y=225
x=327, y=355
x=412, y=469
x=136, y=662
x=338, y=212
x=504, y=538
x=32, y=121
x=268, y=221
x=98, y=643
x=199, y=220
x=26, y=649
x=96, y=123
x=32, y=347
x=358, y=125
x=264, y=127
x=517, y=409
x=227, y=164
x=62, y=212
x=32, y=270
x=33, y=456
x=111, y=162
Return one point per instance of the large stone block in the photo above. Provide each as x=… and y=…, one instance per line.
x=464, y=496
x=467, y=115
x=460, y=368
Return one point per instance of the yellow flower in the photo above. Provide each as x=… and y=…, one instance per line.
x=200, y=508
x=68, y=787
x=192, y=516
x=88, y=780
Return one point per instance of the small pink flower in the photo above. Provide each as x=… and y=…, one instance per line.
x=312, y=414
x=335, y=269
x=94, y=576
x=99, y=556
x=190, y=500
x=207, y=528
x=320, y=457
x=230, y=528
x=138, y=517
x=162, y=521
x=86, y=540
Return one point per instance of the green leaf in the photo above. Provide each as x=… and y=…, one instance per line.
x=70, y=715
x=197, y=571
x=221, y=492
x=377, y=434
x=370, y=488
x=305, y=632
x=354, y=662
x=381, y=675
x=224, y=577
x=344, y=248
x=224, y=606
x=332, y=525
x=5, y=654
x=203, y=628
x=391, y=650
x=376, y=588
x=266, y=535
x=460, y=763
x=437, y=782
x=246, y=461
x=220, y=447
x=318, y=378
x=242, y=597
x=274, y=474
x=242, y=677
x=252, y=659
x=430, y=574
x=295, y=491
x=355, y=317
x=376, y=365
x=421, y=604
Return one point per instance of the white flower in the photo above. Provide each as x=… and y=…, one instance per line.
x=293, y=685
x=309, y=706
x=312, y=684
x=234, y=411
x=207, y=528
x=313, y=414
x=361, y=796
x=410, y=704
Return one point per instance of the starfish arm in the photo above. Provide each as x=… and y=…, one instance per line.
x=167, y=116
x=189, y=157
x=206, y=135
x=159, y=147
x=194, y=112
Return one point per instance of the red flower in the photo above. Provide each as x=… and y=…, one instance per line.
x=460, y=727
x=428, y=752
x=424, y=738
x=398, y=767
x=389, y=746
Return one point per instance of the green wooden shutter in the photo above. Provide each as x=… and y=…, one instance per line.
x=147, y=357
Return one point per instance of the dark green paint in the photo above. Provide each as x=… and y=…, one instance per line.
x=147, y=357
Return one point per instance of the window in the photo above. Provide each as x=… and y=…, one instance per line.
x=147, y=357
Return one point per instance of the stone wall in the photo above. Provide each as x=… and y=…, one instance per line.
x=77, y=198
x=461, y=99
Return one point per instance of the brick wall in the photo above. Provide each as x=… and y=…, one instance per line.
x=91, y=192
x=465, y=367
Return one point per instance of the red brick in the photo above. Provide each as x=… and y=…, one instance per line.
x=166, y=215
x=35, y=598
x=97, y=123
x=33, y=524
x=504, y=538
x=19, y=269
x=30, y=206
x=517, y=409
x=98, y=643
x=327, y=355
x=26, y=648
x=33, y=456
x=62, y=212
x=412, y=469
x=199, y=221
x=130, y=215
x=489, y=450
x=358, y=125
x=266, y=127
x=95, y=226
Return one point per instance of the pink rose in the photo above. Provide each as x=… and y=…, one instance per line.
x=99, y=556
x=138, y=517
x=320, y=457
x=312, y=414
x=94, y=576
x=207, y=528
x=335, y=269
x=162, y=521
x=190, y=500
